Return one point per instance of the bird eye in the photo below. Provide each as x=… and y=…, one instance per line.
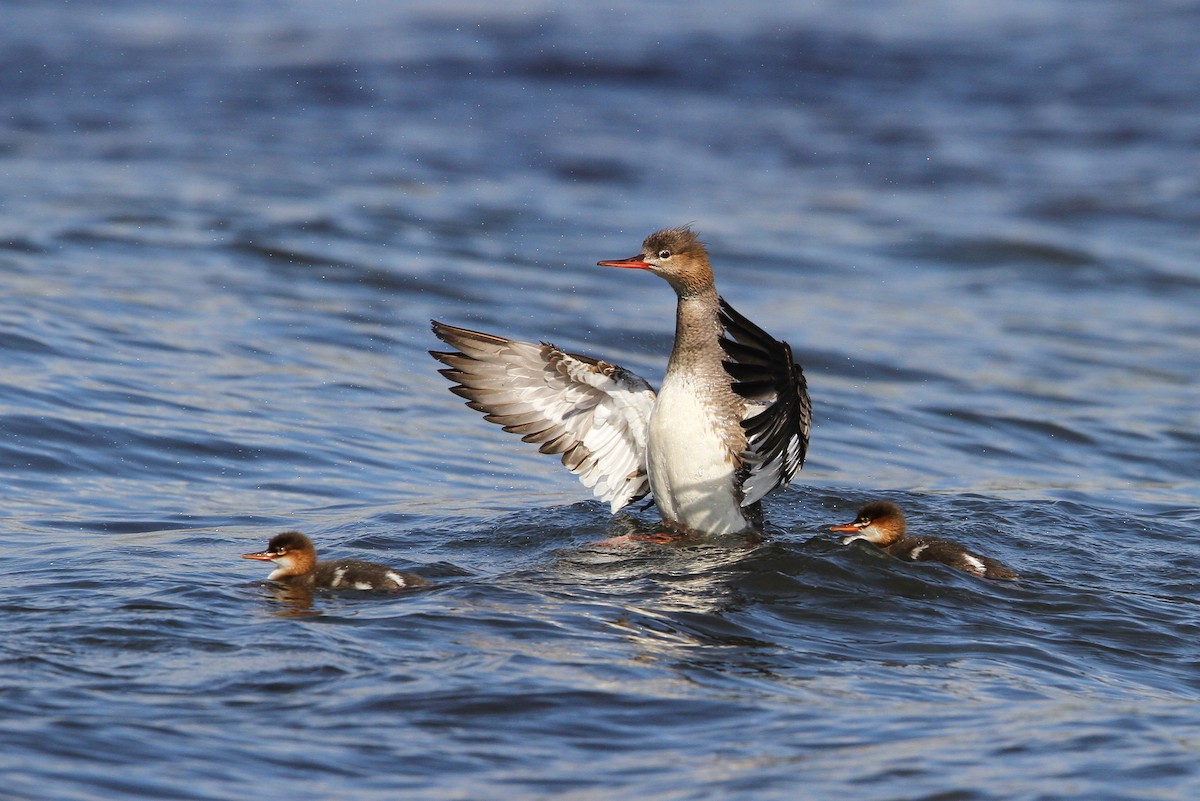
x=664, y=254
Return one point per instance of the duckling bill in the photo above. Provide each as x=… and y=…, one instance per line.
x=882, y=524
x=296, y=564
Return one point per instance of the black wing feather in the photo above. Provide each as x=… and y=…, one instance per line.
x=779, y=411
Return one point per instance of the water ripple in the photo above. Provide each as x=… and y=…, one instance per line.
x=224, y=237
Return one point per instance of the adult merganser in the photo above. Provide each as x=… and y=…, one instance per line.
x=882, y=523
x=730, y=423
x=297, y=565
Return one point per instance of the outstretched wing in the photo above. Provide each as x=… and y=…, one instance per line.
x=592, y=412
x=778, y=414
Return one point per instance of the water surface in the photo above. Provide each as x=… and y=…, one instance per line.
x=226, y=226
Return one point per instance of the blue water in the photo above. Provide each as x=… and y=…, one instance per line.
x=225, y=226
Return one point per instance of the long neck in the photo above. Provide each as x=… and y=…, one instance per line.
x=697, y=329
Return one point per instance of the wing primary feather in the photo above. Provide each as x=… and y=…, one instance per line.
x=592, y=412
x=778, y=415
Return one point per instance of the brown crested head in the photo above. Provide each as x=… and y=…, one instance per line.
x=293, y=552
x=290, y=541
x=880, y=522
x=677, y=255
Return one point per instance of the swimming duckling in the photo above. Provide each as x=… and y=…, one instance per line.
x=882, y=523
x=296, y=563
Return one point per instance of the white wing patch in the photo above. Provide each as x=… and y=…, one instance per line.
x=592, y=412
x=977, y=565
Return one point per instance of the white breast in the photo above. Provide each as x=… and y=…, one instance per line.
x=691, y=469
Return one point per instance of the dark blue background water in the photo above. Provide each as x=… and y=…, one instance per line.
x=224, y=227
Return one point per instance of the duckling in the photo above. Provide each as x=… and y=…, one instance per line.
x=882, y=523
x=296, y=563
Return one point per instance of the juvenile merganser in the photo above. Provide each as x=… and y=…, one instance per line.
x=297, y=565
x=730, y=423
x=882, y=523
